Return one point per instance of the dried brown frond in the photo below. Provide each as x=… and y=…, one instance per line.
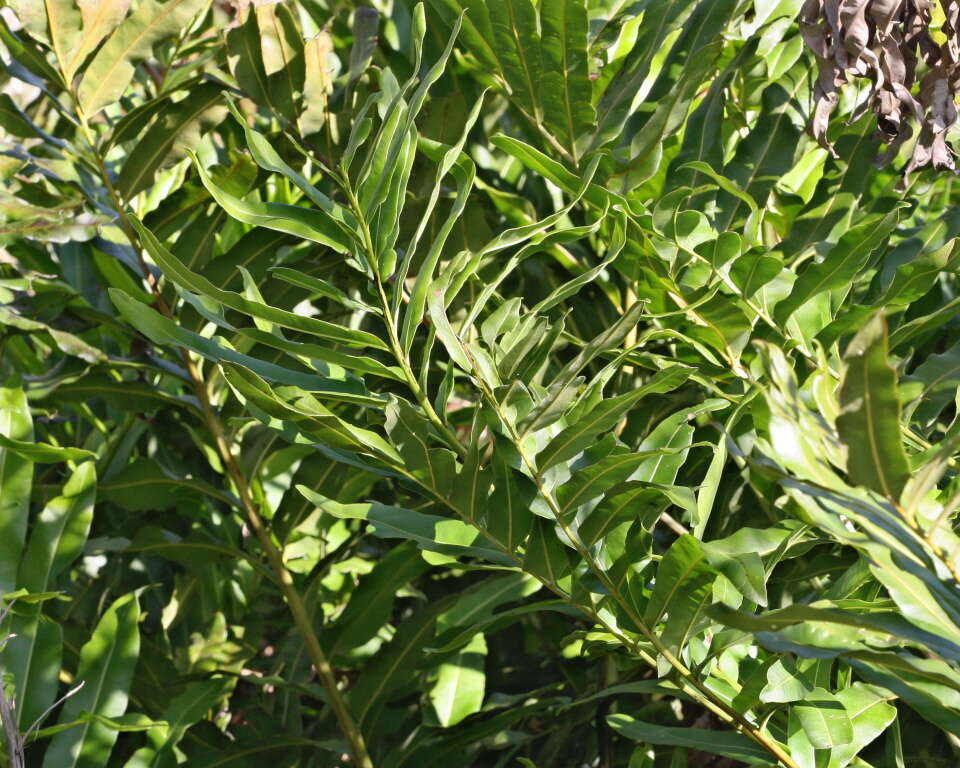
x=890, y=43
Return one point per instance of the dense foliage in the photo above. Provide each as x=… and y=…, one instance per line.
x=490, y=383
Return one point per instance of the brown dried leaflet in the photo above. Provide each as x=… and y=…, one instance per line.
x=889, y=42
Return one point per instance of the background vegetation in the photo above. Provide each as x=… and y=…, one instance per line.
x=391, y=386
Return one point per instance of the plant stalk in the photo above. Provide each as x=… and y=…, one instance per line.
x=294, y=601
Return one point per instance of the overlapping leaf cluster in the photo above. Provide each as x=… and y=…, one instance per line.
x=480, y=383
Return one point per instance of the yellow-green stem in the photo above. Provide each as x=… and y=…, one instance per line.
x=294, y=601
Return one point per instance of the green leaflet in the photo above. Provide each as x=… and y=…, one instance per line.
x=251, y=48
x=143, y=485
x=754, y=270
x=177, y=129
x=914, y=278
x=932, y=385
x=394, y=665
x=365, y=23
x=315, y=352
x=824, y=719
x=414, y=313
x=408, y=430
x=668, y=443
x=56, y=541
x=477, y=604
x=99, y=20
x=878, y=625
x=67, y=342
x=319, y=72
x=546, y=558
x=163, y=331
x=670, y=112
x=504, y=619
x=371, y=604
x=41, y=453
x=682, y=591
x=383, y=179
x=126, y=394
x=546, y=411
x=627, y=502
x=300, y=409
x=55, y=21
x=107, y=663
x=923, y=689
x=616, y=101
x=445, y=536
x=13, y=120
x=844, y=260
x=516, y=42
x=477, y=30
x=870, y=713
x=869, y=422
x=564, y=88
x=594, y=480
x=458, y=692
x=282, y=52
x=508, y=517
x=701, y=144
x=473, y=482
x=59, y=537
x=107, y=75
x=321, y=288
x=308, y=223
x=183, y=711
x=769, y=151
x=16, y=478
x=464, y=173
x=728, y=743
x=25, y=53
x=253, y=307
x=568, y=181
x=267, y=158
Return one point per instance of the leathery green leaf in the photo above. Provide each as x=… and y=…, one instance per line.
x=869, y=421
x=16, y=479
x=107, y=662
x=446, y=536
x=57, y=540
x=111, y=70
x=839, y=266
x=100, y=18
x=564, y=88
x=517, y=45
x=824, y=719
x=371, y=605
x=727, y=743
x=605, y=416
x=178, y=128
x=308, y=223
x=180, y=274
x=163, y=331
x=458, y=691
